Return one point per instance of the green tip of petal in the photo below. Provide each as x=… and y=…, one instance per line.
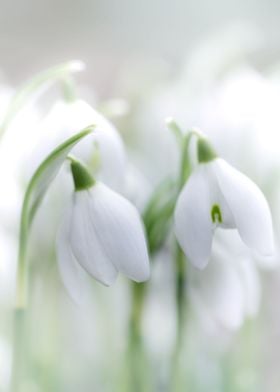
x=81, y=176
x=205, y=151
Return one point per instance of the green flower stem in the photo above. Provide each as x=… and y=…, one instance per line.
x=138, y=378
x=138, y=296
x=21, y=287
x=173, y=126
x=37, y=84
x=184, y=173
x=183, y=140
x=34, y=194
x=69, y=89
x=181, y=304
x=180, y=291
x=157, y=218
x=186, y=167
x=20, y=307
x=18, y=349
x=158, y=214
x=205, y=154
x=180, y=264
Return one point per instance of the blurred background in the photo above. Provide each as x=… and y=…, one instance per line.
x=108, y=34
x=213, y=65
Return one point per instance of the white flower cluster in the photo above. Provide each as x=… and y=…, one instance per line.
x=102, y=232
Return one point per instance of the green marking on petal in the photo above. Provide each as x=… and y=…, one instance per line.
x=216, y=214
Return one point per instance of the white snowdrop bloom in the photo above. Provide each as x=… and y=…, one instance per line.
x=67, y=118
x=102, y=232
x=8, y=246
x=228, y=290
x=217, y=297
x=217, y=195
x=242, y=106
x=137, y=187
x=16, y=142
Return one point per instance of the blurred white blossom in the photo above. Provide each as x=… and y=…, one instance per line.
x=104, y=152
x=228, y=290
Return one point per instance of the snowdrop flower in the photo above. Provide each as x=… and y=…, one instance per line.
x=219, y=196
x=67, y=118
x=102, y=233
x=228, y=291
x=137, y=187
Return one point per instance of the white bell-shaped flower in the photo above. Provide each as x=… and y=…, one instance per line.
x=217, y=195
x=102, y=232
x=66, y=119
x=228, y=290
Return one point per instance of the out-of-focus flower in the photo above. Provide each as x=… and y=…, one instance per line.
x=103, y=233
x=228, y=290
x=8, y=246
x=66, y=119
x=137, y=188
x=217, y=195
x=13, y=147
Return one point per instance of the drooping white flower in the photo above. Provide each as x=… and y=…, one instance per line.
x=217, y=195
x=67, y=118
x=102, y=232
x=228, y=290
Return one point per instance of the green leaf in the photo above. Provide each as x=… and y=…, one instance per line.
x=34, y=194
x=158, y=214
x=36, y=84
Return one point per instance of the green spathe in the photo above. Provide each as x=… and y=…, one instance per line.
x=81, y=176
x=34, y=194
x=205, y=151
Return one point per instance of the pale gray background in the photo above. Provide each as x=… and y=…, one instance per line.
x=35, y=34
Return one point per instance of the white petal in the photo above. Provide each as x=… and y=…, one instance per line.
x=72, y=274
x=217, y=198
x=113, y=161
x=137, y=188
x=120, y=232
x=251, y=285
x=85, y=243
x=248, y=206
x=193, y=224
x=236, y=253
x=109, y=143
x=218, y=291
x=66, y=119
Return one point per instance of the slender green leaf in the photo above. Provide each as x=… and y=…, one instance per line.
x=35, y=192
